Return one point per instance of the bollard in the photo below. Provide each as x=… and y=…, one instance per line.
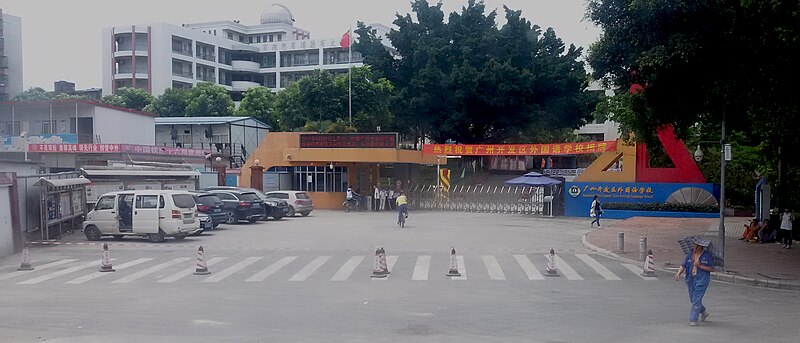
x=642, y=248
x=621, y=242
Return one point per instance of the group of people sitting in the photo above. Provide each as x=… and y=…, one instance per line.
x=756, y=232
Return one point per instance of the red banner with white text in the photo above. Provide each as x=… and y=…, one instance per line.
x=519, y=149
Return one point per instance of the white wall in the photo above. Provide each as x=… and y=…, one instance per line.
x=120, y=127
x=12, y=30
x=6, y=233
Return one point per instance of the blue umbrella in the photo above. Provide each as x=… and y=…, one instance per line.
x=532, y=179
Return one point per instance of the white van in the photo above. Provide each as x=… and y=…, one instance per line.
x=154, y=214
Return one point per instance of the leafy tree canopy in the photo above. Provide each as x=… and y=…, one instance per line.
x=33, y=93
x=133, y=98
x=259, y=103
x=172, y=103
x=208, y=99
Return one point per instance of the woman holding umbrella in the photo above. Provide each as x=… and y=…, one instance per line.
x=698, y=265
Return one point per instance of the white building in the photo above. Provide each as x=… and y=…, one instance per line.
x=10, y=56
x=273, y=54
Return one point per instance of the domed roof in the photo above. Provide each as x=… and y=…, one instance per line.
x=277, y=14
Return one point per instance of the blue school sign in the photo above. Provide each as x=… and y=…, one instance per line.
x=579, y=196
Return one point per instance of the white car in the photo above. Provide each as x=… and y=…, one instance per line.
x=154, y=214
x=299, y=201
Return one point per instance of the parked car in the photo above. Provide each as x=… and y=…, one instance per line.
x=206, y=224
x=274, y=207
x=240, y=205
x=210, y=205
x=299, y=201
x=154, y=214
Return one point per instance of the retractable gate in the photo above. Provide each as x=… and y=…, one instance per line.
x=487, y=199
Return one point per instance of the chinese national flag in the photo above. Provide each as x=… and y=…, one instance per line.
x=345, y=42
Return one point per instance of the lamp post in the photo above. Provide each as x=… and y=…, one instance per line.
x=24, y=136
x=220, y=171
x=725, y=156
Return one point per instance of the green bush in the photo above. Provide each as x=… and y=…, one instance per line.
x=654, y=206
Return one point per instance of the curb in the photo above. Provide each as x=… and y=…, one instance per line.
x=740, y=280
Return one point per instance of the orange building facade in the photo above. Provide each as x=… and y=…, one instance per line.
x=324, y=165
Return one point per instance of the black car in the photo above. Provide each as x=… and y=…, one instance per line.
x=211, y=205
x=273, y=207
x=240, y=205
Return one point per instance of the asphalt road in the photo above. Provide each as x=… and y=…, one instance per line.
x=307, y=279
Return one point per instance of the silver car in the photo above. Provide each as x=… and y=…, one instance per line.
x=299, y=201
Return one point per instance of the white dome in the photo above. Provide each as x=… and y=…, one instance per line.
x=277, y=14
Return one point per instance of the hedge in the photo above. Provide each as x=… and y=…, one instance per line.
x=660, y=207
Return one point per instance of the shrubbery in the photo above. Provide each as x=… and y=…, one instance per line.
x=654, y=206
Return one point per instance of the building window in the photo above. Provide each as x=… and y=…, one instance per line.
x=250, y=39
x=270, y=38
x=280, y=37
x=315, y=178
x=12, y=128
x=48, y=127
x=230, y=36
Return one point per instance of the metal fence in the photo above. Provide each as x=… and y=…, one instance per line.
x=486, y=199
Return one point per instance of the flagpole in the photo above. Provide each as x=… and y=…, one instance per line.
x=350, y=75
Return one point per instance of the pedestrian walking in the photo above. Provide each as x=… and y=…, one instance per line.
x=595, y=211
x=376, y=199
x=383, y=199
x=697, y=265
x=390, y=199
x=786, y=228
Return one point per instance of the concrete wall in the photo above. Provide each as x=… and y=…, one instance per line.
x=120, y=127
x=12, y=31
x=6, y=229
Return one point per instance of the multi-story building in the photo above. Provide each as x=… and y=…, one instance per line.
x=66, y=87
x=272, y=54
x=10, y=56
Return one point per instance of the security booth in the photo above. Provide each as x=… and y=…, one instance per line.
x=62, y=205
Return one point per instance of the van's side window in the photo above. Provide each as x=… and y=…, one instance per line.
x=161, y=203
x=105, y=203
x=146, y=201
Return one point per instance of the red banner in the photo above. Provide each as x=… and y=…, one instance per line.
x=519, y=149
x=116, y=148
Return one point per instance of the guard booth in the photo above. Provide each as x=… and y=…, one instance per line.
x=62, y=205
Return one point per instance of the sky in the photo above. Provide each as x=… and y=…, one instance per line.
x=61, y=38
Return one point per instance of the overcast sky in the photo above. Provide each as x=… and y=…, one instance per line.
x=61, y=38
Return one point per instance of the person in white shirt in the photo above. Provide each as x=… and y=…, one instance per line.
x=786, y=228
x=383, y=199
x=390, y=199
x=377, y=198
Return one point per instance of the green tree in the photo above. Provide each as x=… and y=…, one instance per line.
x=33, y=93
x=259, y=103
x=172, y=103
x=133, y=98
x=208, y=99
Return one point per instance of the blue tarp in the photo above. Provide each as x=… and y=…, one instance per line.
x=532, y=179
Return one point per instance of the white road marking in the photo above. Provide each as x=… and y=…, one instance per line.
x=37, y=268
x=638, y=271
x=60, y=273
x=348, y=268
x=599, y=268
x=95, y=275
x=421, y=268
x=461, y=269
x=495, y=272
x=565, y=269
x=528, y=267
x=182, y=274
x=310, y=268
x=271, y=269
x=216, y=277
x=150, y=270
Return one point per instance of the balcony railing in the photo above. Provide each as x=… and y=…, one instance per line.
x=181, y=73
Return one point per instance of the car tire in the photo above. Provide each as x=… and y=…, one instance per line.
x=179, y=237
x=291, y=212
x=156, y=237
x=231, y=218
x=305, y=214
x=252, y=220
x=92, y=233
x=277, y=217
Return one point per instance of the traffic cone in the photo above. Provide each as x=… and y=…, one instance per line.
x=380, y=269
x=649, y=265
x=105, y=264
x=202, y=268
x=453, y=263
x=26, y=260
x=551, y=264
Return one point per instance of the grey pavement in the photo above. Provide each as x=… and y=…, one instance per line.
x=307, y=280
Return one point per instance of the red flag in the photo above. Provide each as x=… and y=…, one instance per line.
x=345, y=42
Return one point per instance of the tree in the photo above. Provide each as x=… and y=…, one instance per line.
x=259, y=103
x=208, y=99
x=33, y=93
x=133, y=98
x=700, y=62
x=172, y=103
x=469, y=81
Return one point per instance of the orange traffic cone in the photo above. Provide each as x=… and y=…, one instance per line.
x=453, y=263
x=105, y=263
x=26, y=260
x=649, y=265
x=551, y=269
x=380, y=270
x=202, y=267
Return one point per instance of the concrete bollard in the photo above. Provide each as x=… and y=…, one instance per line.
x=621, y=242
x=642, y=248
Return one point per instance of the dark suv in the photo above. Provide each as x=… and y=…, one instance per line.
x=273, y=207
x=240, y=205
x=211, y=205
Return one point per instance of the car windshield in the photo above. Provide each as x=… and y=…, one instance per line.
x=301, y=195
x=249, y=197
x=209, y=200
x=183, y=200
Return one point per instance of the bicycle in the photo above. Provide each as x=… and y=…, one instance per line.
x=351, y=204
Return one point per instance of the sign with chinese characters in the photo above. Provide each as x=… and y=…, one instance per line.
x=579, y=195
x=519, y=149
x=116, y=148
x=349, y=140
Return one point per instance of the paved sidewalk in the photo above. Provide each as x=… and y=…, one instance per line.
x=764, y=265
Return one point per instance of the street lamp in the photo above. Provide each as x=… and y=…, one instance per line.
x=220, y=171
x=24, y=136
x=726, y=156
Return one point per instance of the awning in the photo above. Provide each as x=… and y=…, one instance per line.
x=60, y=183
x=112, y=172
x=532, y=179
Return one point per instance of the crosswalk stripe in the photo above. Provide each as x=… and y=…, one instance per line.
x=565, y=269
x=495, y=272
x=95, y=275
x=390, y=262
x=599, y=268
x=182, y=274
x=528, y=267
x=421, y=268
x=348, y=268
x=60, y=273
x=638, y=271
x=461, y=269
x=150, y=270
x=310, y=268
x=38, y=268
x=216, y=277
x=271, y=269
